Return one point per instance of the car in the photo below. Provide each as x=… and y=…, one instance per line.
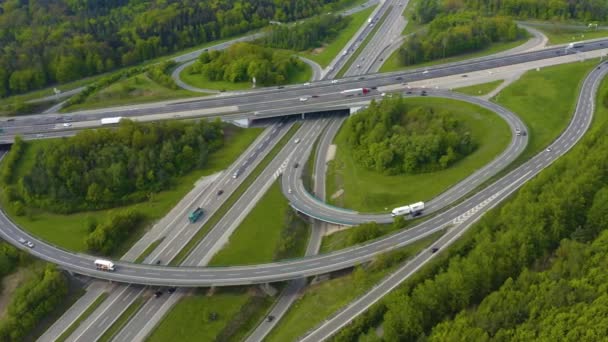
x=381, y=59
x=416, y=213
x=158, y=262
x=67, y=124
x=524, y=133
x=303, y=99
x=220, y=192
x=307, y=83
x=236, y=174
x=171, y=289
x=9, y=120
x=269, y=318
x=176, y=116
x=289, y=190
x=334, y=81
x=548, y=149
x=315, y=96
x=206, y=50
x=425, y=72
x=58, y=118
x=383, y=94
x=361, y=78
x=465, y=76
x=434, y=249
x=280, y=87
x=408, y=92
x=374, y=88
x=30, y=244
x=158, y=293
x=349, y=95
x=296, y=141
x=39, y=135
x=295, y=166
x=22, y=241
x=358, y=66
x=399, y=78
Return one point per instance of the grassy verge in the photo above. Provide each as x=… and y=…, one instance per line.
x=545, y=101
x=122, y=320
x=69, y=231
x=223, y=209
x=370, y=191
x=392, y=62
x=364, y=43
x=137, y=89
x=82, y=317
x=326, y=54
x=202, y=82
x=256, y=238
x=149, y=250
x=557, y=34
x=408, y=13
x=479, y=89
x=322, y=300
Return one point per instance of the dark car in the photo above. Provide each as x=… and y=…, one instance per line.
x=315, y=96
x=220, y=192
x=361, y=78
x=434, y=249
x=465, y=75
x=158, y=262
x=374, y=87
x=158, y=294
x=270, y=318
x=171, y=289
x=408, y=92
x=280, y=87
x=296, y=165
x=399, y=78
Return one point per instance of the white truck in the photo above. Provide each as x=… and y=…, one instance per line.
x=575, y=45
x=104, y=265
x=356, y=91
x=111, y=121
x=412, y=209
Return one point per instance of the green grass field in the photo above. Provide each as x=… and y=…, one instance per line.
x=479, y=89
x=189, y=318
x=137, y=89
x=326, y=54
x=545, y=101
x=392, y=62
x=200, y=81
x=256, y=238
x=322, y=300
x=561, y=35
x=370, y=191
x=69, y=231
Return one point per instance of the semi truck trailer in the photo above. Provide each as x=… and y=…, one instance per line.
x=104, y=265
x=195, y=215
x=412, y=209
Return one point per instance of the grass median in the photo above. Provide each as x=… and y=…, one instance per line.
x=122, y=320
x=370, y=191
x=562, y=34
x=361, y=47
x=82, y=317
x=223, y=209
x=149, y=250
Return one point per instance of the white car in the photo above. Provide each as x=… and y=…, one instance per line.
x=22, y=241
x=296, y=141
x=383, y=94
x=303, y=99
x=548, y=149
x=334, y=81
x=67, y=124
x=289, y=190
x=30, y=244
x=425, y=72
x=307, y=83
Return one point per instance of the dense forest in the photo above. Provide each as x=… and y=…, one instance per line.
x=581, y=10
x=308, y=34
x=242, y=62
x=457, y=33
x=393, y=137
x=45, y=42
x=566, y=201
x=105, y=168
x=106, y=237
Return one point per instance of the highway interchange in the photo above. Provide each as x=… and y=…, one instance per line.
x=265, y=101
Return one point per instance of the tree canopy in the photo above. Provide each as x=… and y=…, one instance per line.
x=45, y=42
x=242, y=62
x=393, y=137
x=105, y=168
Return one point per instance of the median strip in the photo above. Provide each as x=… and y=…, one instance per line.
x=122, y=320
x=82, y=317
x=357, y=52
x=223, y=209
x=148, y=250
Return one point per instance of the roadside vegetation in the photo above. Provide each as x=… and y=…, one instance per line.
x=479, y=89
x=240, y=63
x=320, y=301
x=558, y=33
x=70, y=230
x=70, y=330
x=416, y=309
x=370, y=190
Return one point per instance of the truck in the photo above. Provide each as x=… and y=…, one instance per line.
x=195, y=215
x=111, y=121
x=575, y=45
x=412, y=209
x=356, y=91
x=104, y=265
